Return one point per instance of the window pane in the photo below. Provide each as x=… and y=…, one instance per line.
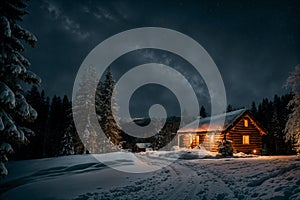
x=246, y=139
x=246, y=123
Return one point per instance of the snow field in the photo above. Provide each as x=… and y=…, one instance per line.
x=83, y=177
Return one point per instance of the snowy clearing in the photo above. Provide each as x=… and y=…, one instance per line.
x=83, y=177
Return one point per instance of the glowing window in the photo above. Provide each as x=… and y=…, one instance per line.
x=246, y=123
x=246, y=139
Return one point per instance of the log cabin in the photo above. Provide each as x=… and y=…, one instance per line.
x=239, y=126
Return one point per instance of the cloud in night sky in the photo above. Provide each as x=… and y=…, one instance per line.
x=68, y=24
x=255, y=44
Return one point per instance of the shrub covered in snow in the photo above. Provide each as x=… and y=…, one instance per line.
x=225, y=148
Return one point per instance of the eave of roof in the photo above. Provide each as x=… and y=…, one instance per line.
x=217, y=123
x=214, y=124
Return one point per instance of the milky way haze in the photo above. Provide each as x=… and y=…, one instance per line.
x=255, y=44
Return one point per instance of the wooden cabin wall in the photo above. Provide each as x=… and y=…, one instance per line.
x=208, y=141
x=183, y=140
x=236, y=135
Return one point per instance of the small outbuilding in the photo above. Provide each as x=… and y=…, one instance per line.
x=239, y=126
x=142, y=147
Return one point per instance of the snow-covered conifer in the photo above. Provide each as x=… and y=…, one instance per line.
x=292, y=128
x=14, y=69
x=67, y=145
x=106, y=107
x=83, y=105
x=110, y=121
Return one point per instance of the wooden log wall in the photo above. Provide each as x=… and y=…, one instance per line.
x=236, y=135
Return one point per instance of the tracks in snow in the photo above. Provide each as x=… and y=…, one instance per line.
x=51, y=173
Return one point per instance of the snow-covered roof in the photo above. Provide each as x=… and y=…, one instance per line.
x=143, y=145
x=214, y=122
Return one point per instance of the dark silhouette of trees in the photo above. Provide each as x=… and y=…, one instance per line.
x=203, y=112
x=55, y=132
x=35, y=149
x=273, y=116
x=229, y=108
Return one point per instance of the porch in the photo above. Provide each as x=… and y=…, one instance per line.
x=192, y=140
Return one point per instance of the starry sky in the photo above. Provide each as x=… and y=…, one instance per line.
x=255, y=44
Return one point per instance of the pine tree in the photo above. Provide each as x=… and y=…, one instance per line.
x=54, y=134
x=203, y=113
x=229, y=108
x=273, y=116
x=102, y=140
x=111, y=124
x=14, y=108
x=41, y=104
x=83, y=103
x=159, y=140
x=253, y=109
x=43, y=120
x=70, y=142
x=106, y=108
x=66, y=146
x=292, y=128
x=76, y=140
x=275, y=128
x=35, y=148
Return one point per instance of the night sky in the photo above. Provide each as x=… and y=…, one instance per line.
x=255, y=44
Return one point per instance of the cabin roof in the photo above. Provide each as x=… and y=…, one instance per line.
x=215, y=122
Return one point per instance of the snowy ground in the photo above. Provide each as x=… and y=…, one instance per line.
x=83, y=177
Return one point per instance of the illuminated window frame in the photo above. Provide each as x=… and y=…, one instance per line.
x=246, y=139
x=246, y=122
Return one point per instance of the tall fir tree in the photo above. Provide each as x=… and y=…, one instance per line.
x=14, y=69
x=229, y=108
x=275, y=125
x=39, y=102
x=111, y=120
x=106, y=107
x=203, y=112
x=292, y=128
x=253, y=109
x=43, y=120
x=54, y=133
x=27, y=151
x=35, y=148
x=70, y=143
x=104, y=143
x=273, y=116
x=66, y=142
x=83, y=105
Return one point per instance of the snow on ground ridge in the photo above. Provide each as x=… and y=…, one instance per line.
x=82, y=177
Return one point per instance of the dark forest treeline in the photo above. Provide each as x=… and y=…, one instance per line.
x=55, y=133
x=54, y=119
x=273, y=115
x=54, y=128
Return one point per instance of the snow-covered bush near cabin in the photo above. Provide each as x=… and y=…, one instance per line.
x=225, y=148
